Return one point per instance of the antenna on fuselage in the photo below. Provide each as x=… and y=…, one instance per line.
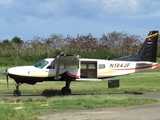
x=57, y=55
x=107, y=57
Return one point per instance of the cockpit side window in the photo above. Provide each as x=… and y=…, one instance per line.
x=41, y=64
x=51, y=66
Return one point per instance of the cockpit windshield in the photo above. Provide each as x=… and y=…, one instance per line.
x=41, y=64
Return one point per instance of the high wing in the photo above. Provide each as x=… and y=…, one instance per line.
x=67, y=59
x=64, y=59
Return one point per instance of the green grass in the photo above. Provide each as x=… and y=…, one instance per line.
x=33, y=108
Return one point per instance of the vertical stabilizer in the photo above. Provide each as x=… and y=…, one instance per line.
x=148, y=51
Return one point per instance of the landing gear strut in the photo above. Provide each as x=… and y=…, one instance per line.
x=17, y=92
x=66, y=90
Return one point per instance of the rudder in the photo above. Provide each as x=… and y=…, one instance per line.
x=148, y=51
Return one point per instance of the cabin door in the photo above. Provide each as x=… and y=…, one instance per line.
x=88, y=69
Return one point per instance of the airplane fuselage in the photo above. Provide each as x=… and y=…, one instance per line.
x=84, y=70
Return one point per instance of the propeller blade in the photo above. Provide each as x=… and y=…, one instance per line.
x=5, y=72
x=7, y=80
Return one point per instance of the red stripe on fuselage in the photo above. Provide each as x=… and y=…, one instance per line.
x=72, y=75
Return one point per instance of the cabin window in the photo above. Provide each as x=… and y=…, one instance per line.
x=41, y=64
x=101, y=66
x=62, y=66
x=74, y=66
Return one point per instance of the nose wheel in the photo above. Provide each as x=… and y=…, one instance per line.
x=17, y=92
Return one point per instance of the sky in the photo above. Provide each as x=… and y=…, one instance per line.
x=29, y=18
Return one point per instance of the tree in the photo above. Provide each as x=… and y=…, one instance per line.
x=17, y=40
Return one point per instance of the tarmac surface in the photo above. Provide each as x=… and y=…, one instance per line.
x=143, y=112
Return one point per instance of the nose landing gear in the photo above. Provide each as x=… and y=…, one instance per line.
x=17, y=92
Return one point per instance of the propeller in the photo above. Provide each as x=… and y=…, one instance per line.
x=5, y=72
x=7, y=79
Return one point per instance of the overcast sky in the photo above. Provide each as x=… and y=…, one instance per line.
x=29, y=18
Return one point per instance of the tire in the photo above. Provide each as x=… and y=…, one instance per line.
x=17, y=92
x=66, y=91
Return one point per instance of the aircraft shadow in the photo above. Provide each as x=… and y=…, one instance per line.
x=52, y=93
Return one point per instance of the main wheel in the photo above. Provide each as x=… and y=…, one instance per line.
x=17, y=92
x=66, y=91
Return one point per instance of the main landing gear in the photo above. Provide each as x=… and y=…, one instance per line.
x=17, y=92
x=66, y=90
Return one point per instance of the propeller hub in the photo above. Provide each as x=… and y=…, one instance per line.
x=5, y=72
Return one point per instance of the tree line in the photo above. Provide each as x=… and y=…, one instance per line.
x=111, y=45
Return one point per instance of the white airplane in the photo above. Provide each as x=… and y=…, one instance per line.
x=67, y=67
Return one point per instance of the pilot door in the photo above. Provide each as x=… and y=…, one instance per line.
x=88, y=69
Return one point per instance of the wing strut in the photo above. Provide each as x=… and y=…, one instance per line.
x=57, y=71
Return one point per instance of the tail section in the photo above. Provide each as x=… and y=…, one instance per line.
x=147, y=52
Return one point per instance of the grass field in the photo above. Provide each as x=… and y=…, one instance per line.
x=139, y=82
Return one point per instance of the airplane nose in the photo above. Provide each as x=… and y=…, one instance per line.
x=5, y=72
